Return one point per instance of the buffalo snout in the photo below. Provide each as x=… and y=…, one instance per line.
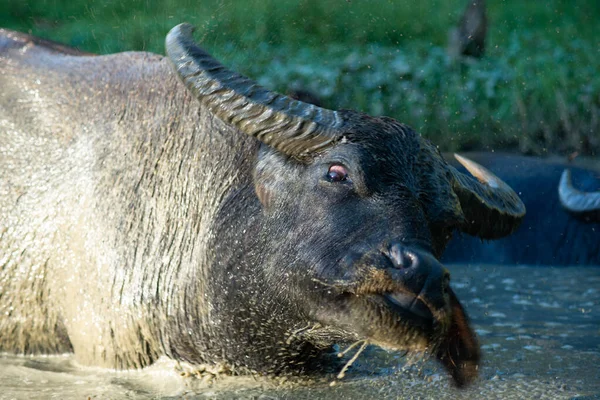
x=421, y=282
x=423, y=291
x=409, y=291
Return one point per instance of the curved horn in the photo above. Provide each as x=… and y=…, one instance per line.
x=290, y=126
x=491, y=208
x=577, y=202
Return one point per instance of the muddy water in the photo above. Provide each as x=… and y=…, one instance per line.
x=539, y=328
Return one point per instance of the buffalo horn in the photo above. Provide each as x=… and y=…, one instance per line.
x=577, y=202
x=491, y=208
x=295, y=128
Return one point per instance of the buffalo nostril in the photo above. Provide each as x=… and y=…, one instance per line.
x=402, y=258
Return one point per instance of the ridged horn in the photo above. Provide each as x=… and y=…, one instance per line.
x=491, y=208
x=295, y=128
x=577, y=202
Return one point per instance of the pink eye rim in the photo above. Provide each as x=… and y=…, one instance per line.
x=337, y=173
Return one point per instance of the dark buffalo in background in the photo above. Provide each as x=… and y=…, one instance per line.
x=216, y=221
x=549, y=234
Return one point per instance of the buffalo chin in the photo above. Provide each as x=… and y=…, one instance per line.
x=402, y=322
x=407, y=324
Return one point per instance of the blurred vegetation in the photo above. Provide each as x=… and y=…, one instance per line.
x=537, y=90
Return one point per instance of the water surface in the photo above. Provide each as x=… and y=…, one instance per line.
x=539, y=328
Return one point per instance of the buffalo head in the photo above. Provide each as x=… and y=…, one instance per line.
x=354, y=212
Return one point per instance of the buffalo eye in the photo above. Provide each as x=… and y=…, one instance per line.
x=337, y=173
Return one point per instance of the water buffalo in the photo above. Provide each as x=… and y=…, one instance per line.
x=561, y=227
x=157, y=205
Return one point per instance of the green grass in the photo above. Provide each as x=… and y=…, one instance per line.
x=537, y=90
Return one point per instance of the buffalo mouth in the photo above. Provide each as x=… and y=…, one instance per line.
x=406, y=303
x=405, y=322
x=445, y=333
x=411, y=311
x=402, y=300
x=400, y=320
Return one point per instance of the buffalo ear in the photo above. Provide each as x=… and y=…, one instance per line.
x=274, y=174
x=491, y=208
x=264, y=195
x=268, y=168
